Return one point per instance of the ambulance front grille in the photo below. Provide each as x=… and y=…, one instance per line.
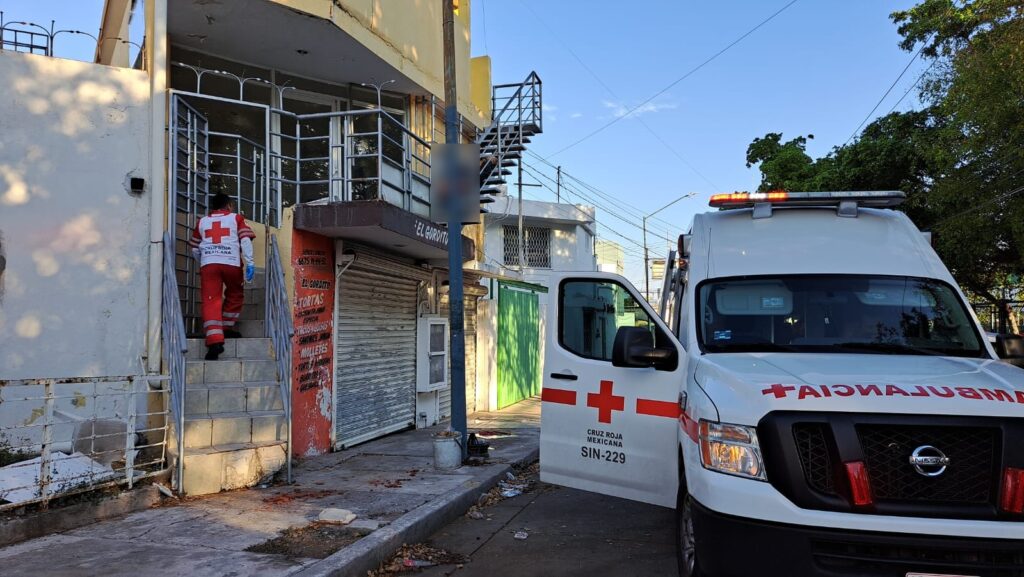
x=815, y=456
x=970, y=478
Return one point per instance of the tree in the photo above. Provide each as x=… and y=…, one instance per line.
x=960, y=159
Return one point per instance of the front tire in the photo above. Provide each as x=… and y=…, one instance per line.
x=686, y=544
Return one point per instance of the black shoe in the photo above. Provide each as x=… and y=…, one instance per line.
x=214, y=351
x=232, y=334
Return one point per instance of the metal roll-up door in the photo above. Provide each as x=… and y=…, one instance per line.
x=376, y=351
x=445, y=394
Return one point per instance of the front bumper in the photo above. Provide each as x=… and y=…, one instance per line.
x=730, y=546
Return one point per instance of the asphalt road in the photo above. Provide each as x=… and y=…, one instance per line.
x=570, y=533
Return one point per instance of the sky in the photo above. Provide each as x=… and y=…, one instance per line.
x=818, y=67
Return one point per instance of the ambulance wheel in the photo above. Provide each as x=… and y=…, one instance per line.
x=686, y=548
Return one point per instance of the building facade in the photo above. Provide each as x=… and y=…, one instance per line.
x=318, y=117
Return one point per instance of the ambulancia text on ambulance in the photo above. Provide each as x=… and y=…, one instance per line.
x=821, y=400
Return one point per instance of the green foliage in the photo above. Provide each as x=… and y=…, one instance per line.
x=960, y=160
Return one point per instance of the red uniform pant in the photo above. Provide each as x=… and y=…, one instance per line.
x=223, y=297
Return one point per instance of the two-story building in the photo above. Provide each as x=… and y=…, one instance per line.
x=318, y=117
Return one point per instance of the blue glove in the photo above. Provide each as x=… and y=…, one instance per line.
x=250, y=272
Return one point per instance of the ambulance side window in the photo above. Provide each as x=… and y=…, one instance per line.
x=590, y=313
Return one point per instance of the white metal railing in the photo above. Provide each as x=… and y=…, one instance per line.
x=64, y=436
x=349, y=155
x=280, y=329
x=175, y=345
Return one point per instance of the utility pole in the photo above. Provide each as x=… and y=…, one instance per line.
x=456, y=321
x=558, y=186
x=522, y=245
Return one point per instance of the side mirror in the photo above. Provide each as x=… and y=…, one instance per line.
x=634, y=347
x=1010, y=348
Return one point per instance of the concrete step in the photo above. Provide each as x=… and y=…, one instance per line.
x=234, y=428
x=251, y=328
x=230, y=371
x=202, y=400
x=232, y=466
x=244, y=348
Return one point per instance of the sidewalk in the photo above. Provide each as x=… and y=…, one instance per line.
x=390, y=481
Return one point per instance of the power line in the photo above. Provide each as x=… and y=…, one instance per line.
x=882, y=99
x=667, y=228
x=609, y=90
x=483, y=21
x=680, y=79
x=912, y=86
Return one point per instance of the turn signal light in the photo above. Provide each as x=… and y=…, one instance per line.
x=1011, y=498
x=860, y=487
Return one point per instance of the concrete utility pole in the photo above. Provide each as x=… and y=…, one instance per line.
x=522, y=245
x=456, y=314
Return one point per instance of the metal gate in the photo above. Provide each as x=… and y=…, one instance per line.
x=518, y=339
x=190, y=165
x=376, y=349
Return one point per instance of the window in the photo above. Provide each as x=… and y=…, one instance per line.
x=843, y=314
x=536, y=246
x=592, y=311
x=432, y=356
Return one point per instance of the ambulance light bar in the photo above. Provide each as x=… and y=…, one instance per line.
x=846, y=202
x=875, y=198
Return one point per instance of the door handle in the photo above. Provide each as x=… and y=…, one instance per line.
x=564, y=376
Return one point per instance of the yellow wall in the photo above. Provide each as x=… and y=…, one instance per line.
x=408, y=35
x=480, y=83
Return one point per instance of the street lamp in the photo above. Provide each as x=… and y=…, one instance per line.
x=378, y=87
x=647, y=275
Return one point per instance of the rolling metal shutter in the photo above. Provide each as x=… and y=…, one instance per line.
x=376, y=348
x=445, y=395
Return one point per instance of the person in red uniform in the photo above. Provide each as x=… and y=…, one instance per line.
x=221, y=242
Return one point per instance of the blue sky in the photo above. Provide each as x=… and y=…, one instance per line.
x=817, y=68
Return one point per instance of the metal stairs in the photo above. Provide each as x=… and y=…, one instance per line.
x=516, y=116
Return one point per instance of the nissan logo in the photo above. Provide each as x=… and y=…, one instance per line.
x=929, y=461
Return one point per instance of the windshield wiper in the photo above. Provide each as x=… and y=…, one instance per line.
x=752, y=346
x=887, y=348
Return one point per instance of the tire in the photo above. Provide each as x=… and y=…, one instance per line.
x=686, y=552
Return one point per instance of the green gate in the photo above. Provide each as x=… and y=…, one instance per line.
x=519, y=359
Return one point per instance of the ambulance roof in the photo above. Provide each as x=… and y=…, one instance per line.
x=811, y=240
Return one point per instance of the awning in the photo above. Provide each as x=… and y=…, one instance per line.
x=380, y=224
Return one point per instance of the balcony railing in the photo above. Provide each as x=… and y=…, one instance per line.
x=349, y=156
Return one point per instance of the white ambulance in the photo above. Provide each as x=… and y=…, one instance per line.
x=821, y=401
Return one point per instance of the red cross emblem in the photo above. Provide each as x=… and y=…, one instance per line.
x=216, y=232
x=605, y=402
x=778, y=390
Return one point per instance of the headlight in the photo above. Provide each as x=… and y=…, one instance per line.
x=731, y=449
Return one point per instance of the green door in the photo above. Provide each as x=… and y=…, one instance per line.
x=518, y=345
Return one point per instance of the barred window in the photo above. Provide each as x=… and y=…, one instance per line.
x=536, y=246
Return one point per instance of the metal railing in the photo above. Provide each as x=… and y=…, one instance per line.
x=77, y=434
x=280, y=329
x=514, y=116
x=175, y=345
x=236, y=168
x=350, y=155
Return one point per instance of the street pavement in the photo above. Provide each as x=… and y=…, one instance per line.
x=569, y=532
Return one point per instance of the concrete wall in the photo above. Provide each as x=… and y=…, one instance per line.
x=407, y=34
x=73, y=296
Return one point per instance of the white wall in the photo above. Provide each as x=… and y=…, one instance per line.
x=73, y=296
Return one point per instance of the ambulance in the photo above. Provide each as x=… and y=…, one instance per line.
x=819, y=400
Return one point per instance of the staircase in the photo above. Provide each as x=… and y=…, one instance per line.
x=516, y=116
x=235, y=425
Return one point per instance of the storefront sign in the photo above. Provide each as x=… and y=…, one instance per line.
x=313, y=344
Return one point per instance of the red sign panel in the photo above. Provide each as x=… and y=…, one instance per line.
x=313, y=344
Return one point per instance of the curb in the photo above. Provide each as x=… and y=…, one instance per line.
x=369, y=552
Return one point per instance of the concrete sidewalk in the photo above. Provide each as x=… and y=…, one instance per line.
x=390, y=481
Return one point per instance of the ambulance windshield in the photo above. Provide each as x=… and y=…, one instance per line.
x=837, y=313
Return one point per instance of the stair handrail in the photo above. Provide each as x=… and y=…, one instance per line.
x=280, y=329
x=175, y=347
x=532, y=83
